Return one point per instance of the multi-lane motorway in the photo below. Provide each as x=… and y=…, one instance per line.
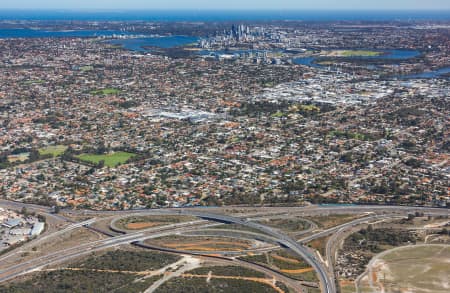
x=326, y=275
x=283, y=240
x=86, y=248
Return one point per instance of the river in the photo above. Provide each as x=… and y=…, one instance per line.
x=388, y=54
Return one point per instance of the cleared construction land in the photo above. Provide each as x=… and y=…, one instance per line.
x=419, y=269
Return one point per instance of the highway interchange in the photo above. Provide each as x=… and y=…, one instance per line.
x=209, y=218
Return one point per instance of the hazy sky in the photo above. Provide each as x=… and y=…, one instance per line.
x=227, y=4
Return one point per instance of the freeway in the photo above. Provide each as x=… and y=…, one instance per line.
x=86, y=248
x=133, y=238
x=327, y=281
x=312, y=225
x=325, y=276
x=294, y=284
x=332, y=209
x=284, y=240
x=18, y=205
x=346, y=225
x=47, y=211
x=335, y=231
x=327, y=284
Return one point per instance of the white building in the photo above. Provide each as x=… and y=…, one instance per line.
x=38, y=227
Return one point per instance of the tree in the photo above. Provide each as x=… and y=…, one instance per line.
x=24, y=211
x=101, y=149
x=34, y=155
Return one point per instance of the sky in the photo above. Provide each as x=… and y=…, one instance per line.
x=228, y=4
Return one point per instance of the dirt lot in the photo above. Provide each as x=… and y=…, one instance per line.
x=419, y=269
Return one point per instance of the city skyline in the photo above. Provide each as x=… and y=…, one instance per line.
x=229, y=5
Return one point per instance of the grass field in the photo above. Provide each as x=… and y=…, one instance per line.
x=36, y=81
x=417, y=269
x=111, y=160
x=86, y=68
x=55, y=151
x=362, y=53
x=354, y=53
x=107, y=91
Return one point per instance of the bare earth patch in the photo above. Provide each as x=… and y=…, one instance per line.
x=418, y=269
x=143, y=225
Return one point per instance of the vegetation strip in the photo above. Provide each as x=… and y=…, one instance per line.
x=260, y=280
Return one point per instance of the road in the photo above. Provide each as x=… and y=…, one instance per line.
x=284, y=240
x=325, y=276
x=346, y=225
x=137, y=237
x=335, y=232
x=294, y=284
x=326, y=283
x=337, y=236
x=332, y=209
x=45, y=237
x=83, y=249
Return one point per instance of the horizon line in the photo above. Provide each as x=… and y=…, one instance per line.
x=219, y=9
